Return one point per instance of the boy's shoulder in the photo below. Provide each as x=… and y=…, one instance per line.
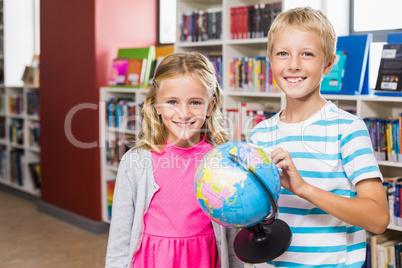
x=333, y=111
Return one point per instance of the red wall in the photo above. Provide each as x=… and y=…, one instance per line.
x=78, y=41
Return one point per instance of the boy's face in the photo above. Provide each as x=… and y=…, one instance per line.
x=298, y=62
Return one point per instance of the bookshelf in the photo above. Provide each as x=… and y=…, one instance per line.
x=19, y=137
x=113, y=138
x=229, y=48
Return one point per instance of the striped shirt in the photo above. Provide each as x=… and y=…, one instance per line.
x=332, y=151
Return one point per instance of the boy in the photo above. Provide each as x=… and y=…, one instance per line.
x=331, y=183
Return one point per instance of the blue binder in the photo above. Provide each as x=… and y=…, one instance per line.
x=355, y=80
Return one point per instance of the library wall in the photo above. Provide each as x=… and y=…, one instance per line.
x=78, y=41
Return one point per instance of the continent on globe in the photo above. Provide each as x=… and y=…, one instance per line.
x=231, y=195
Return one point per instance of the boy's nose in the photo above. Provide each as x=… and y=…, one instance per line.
x=294, y=63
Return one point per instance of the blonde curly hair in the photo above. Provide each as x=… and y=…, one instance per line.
x=154, y=133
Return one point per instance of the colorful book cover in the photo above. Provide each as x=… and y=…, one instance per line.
x=118, y=72
x=136, y=72
x=333, y=80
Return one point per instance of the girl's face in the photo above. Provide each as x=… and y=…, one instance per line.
x=183, y=104
x=298, y=62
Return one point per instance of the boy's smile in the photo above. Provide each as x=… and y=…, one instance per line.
x=298, y=62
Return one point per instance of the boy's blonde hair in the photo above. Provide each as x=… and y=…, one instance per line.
x=306, y=19
x=154, y=133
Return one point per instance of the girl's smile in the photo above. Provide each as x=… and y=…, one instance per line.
x=183, y=114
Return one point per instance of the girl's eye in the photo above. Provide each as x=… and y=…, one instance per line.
x=172, y=102
x=195, y=103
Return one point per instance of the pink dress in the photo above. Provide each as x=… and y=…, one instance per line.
x=177, y=233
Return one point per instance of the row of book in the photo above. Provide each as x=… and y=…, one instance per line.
x=18, y=171
x=129, y=72
x=121, y=113
x=384, y=250
x=386, y=136
x=16, y=164
x=240, y=121
x=2, y=128
x=116, y=147
x=34, y=134
x=3, y=103
x=16, y=132
x=15, y=104
x=201, y=25
x=252, y=21
x=393, y=190
x=251, y=74
x=217, y=62
x=33, y=103
x=3, y=163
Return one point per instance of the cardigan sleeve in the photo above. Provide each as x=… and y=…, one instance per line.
x=118, y=248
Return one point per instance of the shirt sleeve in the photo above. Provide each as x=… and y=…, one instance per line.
x=357, y=152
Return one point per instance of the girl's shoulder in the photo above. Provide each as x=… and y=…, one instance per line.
x=137, y=157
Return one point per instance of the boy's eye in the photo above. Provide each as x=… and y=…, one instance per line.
x=282, y=53
x=308, y=54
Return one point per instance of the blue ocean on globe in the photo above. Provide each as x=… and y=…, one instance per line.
x=228, y=192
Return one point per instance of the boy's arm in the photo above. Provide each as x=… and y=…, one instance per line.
x=369, y=210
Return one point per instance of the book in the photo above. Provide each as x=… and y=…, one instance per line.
x=136, y=72
x=31, y=73
x=390, y=69
x=110, y=192
x=377, y=256
x=119, y=72
x=35, y=171
x=333, y=80
x=147, y=53
x=355, y=80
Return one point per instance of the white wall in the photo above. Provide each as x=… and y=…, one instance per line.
x=18, y=39
x=336, y=11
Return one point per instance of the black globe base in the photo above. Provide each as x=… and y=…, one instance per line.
x=262, y=242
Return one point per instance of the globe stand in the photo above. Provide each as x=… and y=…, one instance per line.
x=266, y=240
x=262, y=242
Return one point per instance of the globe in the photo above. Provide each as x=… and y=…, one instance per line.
x=234, y=193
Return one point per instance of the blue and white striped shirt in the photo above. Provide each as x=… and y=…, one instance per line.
x=332, y=151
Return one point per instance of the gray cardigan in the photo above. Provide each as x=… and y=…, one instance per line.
x=135, y=187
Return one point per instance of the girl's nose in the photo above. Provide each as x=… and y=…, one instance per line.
x=185, y=111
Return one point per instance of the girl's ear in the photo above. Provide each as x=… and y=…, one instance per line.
x=328, y=68
x=157, y=108
x=211, y=106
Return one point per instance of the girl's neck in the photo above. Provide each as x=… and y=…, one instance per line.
x=297, y=111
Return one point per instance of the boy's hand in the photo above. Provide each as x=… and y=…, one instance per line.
x=290, y=176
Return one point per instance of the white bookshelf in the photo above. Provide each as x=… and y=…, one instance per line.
x=29, y=149
x=365, y=106
x=109, y=134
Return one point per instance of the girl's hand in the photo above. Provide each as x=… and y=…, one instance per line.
x=290, y=176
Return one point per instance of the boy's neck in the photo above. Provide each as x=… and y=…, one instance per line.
x=299, y=110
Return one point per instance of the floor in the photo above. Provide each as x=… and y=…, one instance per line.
x=31, y=239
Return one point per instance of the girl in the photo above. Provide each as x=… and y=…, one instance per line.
x=156, y=220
